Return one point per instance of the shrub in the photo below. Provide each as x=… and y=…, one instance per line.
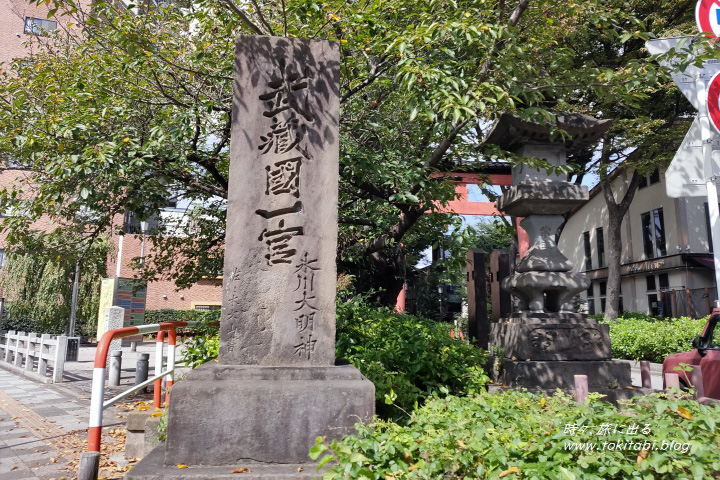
x=12, y=320
x=408, y=358
x=520, y=435
x=647, y=338
x=169, y=315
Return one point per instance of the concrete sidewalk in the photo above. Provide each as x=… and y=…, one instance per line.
x=42, y=426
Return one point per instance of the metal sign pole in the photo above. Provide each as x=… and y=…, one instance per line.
x=708, y=134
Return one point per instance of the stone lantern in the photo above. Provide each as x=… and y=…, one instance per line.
x=544, y=343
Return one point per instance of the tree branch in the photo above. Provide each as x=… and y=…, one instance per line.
x=357, y=221
x=243, y=17
x=262, y=17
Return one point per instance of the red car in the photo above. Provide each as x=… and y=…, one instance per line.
x=706, y=353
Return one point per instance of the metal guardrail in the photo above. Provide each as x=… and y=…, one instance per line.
x=97, y=402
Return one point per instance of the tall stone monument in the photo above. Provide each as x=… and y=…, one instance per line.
x=275, y=387
x=544, y=343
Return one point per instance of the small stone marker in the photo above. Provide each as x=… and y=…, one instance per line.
x=581, y=388
x=114, y=319
x=672, y=380
x=645, y=377
x=279, y=277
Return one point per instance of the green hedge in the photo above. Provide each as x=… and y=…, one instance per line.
x=168, y=315
x=641, y=337
x=516, y=435
x=408, y=358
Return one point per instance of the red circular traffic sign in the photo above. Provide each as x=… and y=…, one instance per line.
x=713, y=101
x=707, y=16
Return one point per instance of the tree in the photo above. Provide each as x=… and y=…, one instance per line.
x=647, y=128
x=129, y=106
x=39, y=287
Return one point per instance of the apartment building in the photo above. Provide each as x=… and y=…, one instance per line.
x=667, y=263
x=19, y=22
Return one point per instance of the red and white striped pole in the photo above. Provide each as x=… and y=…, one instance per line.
x=98, y=388
x=98, y=385
x=158, y=368
x=170, y=377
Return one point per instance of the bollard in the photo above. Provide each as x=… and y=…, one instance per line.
x=141, y=371
x=672, y=380
x=581, y=388
x=696, y=381
x=645, y=377
x=133, y=346
x=115, y=366
x=89, y=466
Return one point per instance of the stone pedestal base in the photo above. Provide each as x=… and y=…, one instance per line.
x=232, y=414
x=549, y=375
x=583, y=340
x=152, y=467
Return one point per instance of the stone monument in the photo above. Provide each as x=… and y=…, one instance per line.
x=276, y=385
x=544, y=343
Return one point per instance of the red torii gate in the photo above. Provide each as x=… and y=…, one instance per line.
x=463, y=206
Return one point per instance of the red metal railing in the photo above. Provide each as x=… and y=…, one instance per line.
x=97, y=403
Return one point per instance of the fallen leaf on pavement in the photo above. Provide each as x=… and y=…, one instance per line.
x=241, y=470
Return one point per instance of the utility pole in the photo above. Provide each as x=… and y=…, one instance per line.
x=73, y=305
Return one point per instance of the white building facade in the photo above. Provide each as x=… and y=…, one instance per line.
x=667, y=266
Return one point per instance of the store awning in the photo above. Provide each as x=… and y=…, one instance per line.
x=704, y=261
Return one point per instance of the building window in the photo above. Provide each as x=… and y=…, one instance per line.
x=591, y=306
x=653, y=230
x=3, y=258
x=207, y=307
x=588, y=251
x=664, y=281
x=651, y=180
x=600, y=246
x=603, y=292
x=39, y=26
x=650, y=283
x=654, y=307
x=591, y=300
